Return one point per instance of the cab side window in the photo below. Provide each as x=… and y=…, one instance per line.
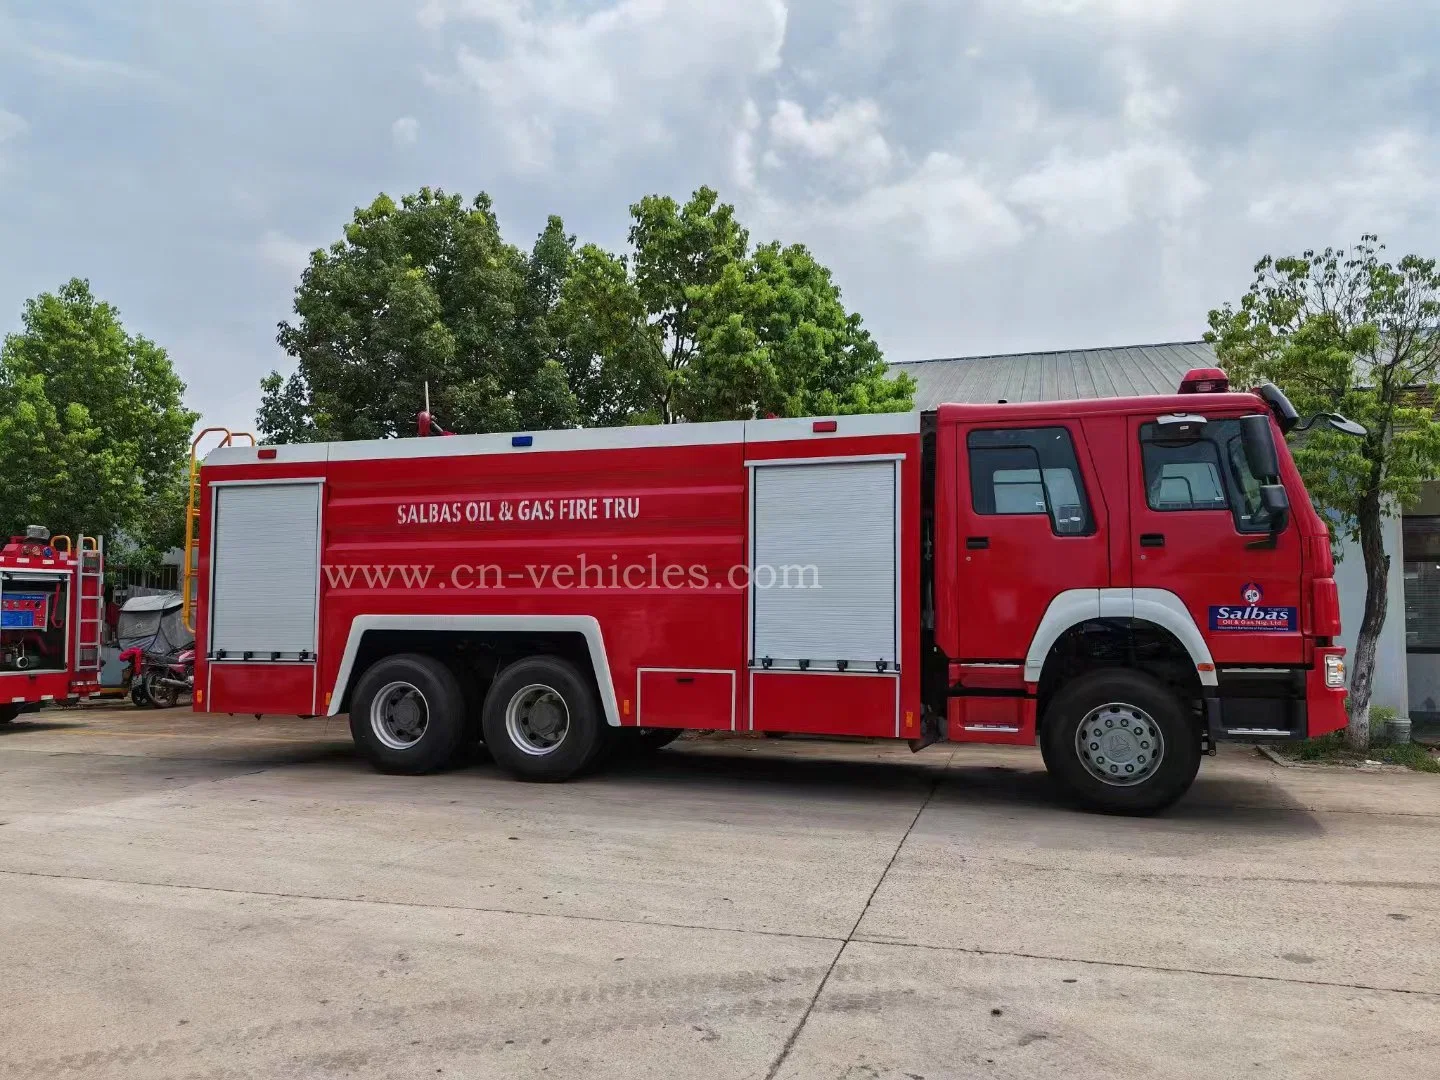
x=1204, y=472
x=1029, y=471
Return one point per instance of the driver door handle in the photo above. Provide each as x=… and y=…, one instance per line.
x=976, y=543
x=1152, y=539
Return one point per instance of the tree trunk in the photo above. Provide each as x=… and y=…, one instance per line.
x=1377, y=597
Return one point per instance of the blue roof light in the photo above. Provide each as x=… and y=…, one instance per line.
x=521, y=440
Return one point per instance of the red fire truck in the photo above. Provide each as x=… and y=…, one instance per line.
x=51, y=613
x=1124, y=581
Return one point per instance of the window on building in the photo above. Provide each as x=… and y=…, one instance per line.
x=1029, y=471
x=1421, y=546
x=1210, y=472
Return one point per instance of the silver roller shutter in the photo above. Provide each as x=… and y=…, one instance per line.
x=838, y=517
x=266, y=561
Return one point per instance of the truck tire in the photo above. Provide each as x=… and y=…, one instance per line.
x=9, y=712
x=408, y=715
x=541, y=720
x=1121, y=742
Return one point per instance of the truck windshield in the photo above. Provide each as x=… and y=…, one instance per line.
x=1207, y=473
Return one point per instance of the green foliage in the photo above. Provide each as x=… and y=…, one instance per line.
x=93, y=431
x=1331, y=749
x=690, y=325
x=1345, y=331
x=426, y=291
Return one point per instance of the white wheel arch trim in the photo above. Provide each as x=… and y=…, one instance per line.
x=1159, y=606
x=586, y=625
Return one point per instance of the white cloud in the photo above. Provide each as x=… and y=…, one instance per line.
x=11, y=125
x=405, y=131
x=284, y=252
x=1378, y=185
x=627, y=72
x=74, y=66
x=849, y=134
x=1092, y=195
x=942, y=209
x=742, y=155
x=1235, y=17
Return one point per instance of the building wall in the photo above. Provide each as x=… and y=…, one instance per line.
x=1391, y=676
x=1422, y=633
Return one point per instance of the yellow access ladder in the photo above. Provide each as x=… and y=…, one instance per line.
x=188, y=595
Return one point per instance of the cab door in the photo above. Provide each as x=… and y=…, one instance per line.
x=1200, y=532
x=1032, y=524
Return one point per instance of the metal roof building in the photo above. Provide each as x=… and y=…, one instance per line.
x=1066, y=375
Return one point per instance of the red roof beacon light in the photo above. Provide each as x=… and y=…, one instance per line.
x=1204, y=380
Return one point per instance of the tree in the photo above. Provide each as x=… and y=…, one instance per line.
x=1344, y=331
x=728, y=333
x=690, y=325
x=426, y=291
x=94, y=434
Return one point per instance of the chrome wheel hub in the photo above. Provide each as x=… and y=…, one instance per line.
x=399, y=715
x=1119, y=744
x=537, y=720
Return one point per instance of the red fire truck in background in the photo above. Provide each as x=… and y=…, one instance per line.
x=51, y=614
x=1124, y=581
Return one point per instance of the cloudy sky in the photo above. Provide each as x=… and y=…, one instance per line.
x=982, y=175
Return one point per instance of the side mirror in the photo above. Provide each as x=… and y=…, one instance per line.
x=1346, y=425
x=1276, y=501
x=1259, y=442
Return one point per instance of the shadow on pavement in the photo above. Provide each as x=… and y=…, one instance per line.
x=21, y=725
x=1215, y=803
x=730, y=767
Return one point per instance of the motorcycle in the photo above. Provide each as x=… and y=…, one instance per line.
x=132, y=662
x=166, y=677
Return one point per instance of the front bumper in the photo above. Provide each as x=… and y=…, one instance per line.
x=1278, y=703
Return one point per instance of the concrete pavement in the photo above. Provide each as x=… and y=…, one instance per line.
x=188, y=896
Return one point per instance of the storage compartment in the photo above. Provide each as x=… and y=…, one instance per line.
x=275, y=689
x=817, y=703
x=34, y=621
x=266, y=559
x=824, y=588
x=675, y=698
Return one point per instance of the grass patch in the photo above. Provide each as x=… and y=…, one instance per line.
x=1332, y=749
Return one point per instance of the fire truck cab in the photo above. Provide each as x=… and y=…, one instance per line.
x=1125, y=582
x=50, y=619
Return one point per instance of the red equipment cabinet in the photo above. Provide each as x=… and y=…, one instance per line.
x=51, y=614
x=982, y=574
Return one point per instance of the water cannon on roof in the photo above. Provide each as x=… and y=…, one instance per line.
x=425, y=421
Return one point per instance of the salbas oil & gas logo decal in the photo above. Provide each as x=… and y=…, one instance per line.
x=1252, y=614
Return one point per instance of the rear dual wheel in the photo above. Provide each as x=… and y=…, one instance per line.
x=9, y=712
x=408, y=715
x=541, y=720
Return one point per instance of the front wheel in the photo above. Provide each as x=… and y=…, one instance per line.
x=541, y=720
x=9, y=712
x=1121, y=742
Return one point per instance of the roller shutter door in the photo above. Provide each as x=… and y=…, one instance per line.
x=824, y=584
x=266, y=561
